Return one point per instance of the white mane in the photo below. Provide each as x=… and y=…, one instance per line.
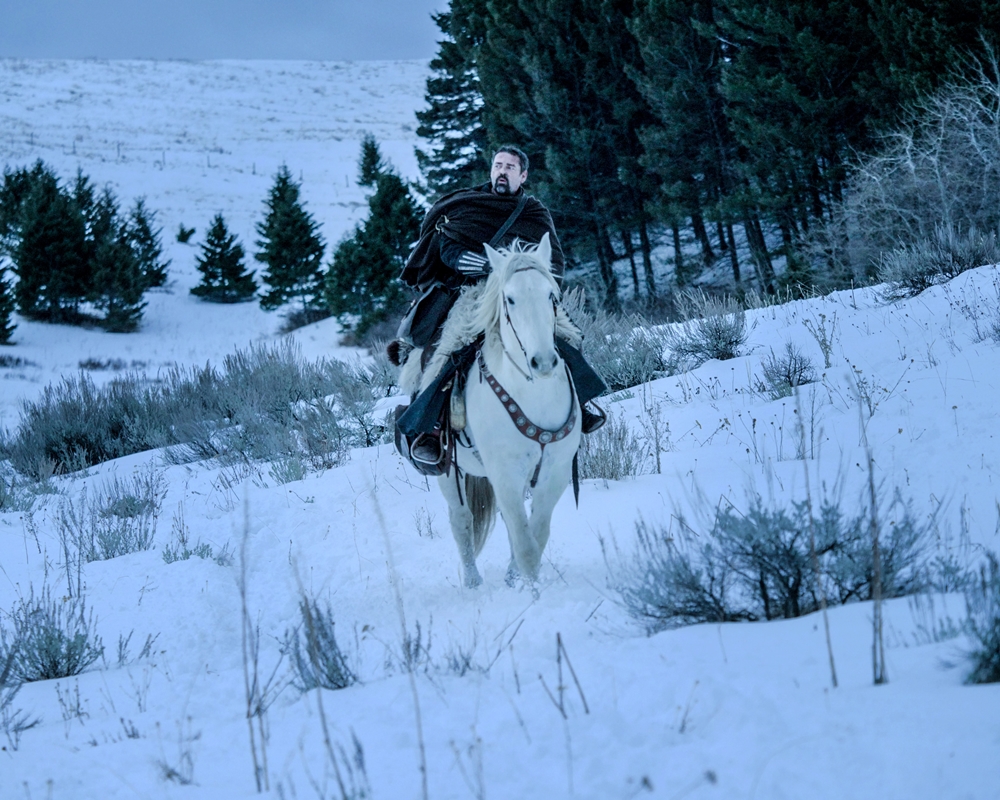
x=477, y=311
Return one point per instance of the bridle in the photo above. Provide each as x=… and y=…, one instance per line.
x=506, y=312
x=525, y=426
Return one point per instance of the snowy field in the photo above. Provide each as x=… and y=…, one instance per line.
x=740, y=710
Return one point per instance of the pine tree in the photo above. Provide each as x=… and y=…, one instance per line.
x=363, y=278
x=6, y=308
x=224, y=277
x=50, y=257
x=118, y=279
x=457, y=152
x=145, y=241
x=292, y=250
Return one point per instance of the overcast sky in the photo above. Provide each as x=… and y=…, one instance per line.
x=200, y=29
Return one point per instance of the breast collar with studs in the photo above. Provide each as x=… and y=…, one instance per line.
x=527, y=428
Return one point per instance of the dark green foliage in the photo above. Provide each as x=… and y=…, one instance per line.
x=69, y=246
x=7, y=306
x=118, y=279
x=983, y=600
x=457, y=153
x=144, y=238
x=51, y=253
x=363, y=279
x=757, y=565
x=291, y=248
x=184, y=234
x=51, y=637
x=224, y=277
x=316, y=658
x=264, y=404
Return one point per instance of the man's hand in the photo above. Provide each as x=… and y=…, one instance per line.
x=470, y=263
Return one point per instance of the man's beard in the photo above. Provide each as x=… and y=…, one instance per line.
x=501, y=186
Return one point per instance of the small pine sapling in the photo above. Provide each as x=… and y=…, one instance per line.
x=224, y=276
x=144, y=238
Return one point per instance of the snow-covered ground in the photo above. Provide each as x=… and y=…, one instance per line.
x=727, y=711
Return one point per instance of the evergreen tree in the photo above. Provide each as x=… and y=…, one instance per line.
x=363, y=278
x=689, y=145
x=457, y=153
x=118, y=279
x=17, y=185
x=6, y=308
x=146, y=243
x=50, y=256
x=224, y=277
x=291, y=248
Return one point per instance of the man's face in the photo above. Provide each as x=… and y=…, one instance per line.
x=506, y=175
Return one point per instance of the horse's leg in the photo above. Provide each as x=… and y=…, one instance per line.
x=461, y=528
x=524, y=551
x=513, y=573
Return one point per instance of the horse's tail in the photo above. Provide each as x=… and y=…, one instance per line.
x=482, y=502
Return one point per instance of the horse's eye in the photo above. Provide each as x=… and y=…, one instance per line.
x=510, y=300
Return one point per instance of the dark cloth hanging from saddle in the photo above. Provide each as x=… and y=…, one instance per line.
x=471, y=217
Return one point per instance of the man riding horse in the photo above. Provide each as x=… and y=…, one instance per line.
x=450, y=254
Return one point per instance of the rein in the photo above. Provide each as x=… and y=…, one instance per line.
x=506, y=312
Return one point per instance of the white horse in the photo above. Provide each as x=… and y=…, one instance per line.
x=522, y=416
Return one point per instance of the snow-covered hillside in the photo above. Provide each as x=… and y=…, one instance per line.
x=738, y=710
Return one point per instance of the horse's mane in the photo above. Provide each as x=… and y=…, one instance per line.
x=477, y=311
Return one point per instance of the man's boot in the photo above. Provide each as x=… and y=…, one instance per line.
x=592, y=417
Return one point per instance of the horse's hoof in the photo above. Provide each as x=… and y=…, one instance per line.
x=473, y=580
x=512, y=576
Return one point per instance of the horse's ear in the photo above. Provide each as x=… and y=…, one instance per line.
x=493, y=255
x=545, y=249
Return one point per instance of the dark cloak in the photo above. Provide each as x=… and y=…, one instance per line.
x=472, y=217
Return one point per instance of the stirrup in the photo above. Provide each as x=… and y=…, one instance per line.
x=431, y=444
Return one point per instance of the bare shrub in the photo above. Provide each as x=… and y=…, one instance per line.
x=316, y=658
x=782, y=373
x=120, y=519
x=51, y=638
x=613, y=452
x=940, y=168
x=711, y=327
x=625, y=350
x=910, y=269
x=757, y=565
x=264, y=404
x=983, y=604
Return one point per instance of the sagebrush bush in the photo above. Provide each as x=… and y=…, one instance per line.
x=983, y=603
x=316, y=658
x=908, y=270
x=119, y=519
x=264, y=404
x=625, y=350
x=757, y=565
x=783, y=372
x=613, y=452
x=50, y=637
x=711, y=328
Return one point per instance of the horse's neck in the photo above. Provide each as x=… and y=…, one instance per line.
x=545, y=400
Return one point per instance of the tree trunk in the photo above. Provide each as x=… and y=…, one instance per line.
x=720, y=232
x=679, y=275
x=647, y=259
x=698, y=223
x=758, y=251
x=606, y=267
x=630, y=252
x=733, y=258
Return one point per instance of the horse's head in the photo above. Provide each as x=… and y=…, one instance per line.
x=519, y=301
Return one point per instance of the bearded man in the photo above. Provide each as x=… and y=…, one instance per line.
x=450, y=254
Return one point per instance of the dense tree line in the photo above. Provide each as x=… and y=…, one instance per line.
x=710, y=119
